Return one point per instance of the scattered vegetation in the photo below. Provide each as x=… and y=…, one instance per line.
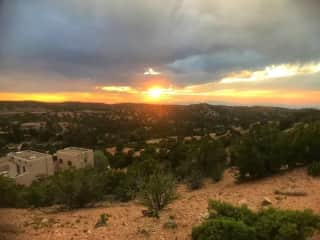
x=266, y=150
x=171, y=223
x=74, y=188
x=102, y=221
x=10, y=193
x=227, y=222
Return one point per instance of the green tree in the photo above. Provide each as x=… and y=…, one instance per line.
x=10, y=196
x=76, y=188
x=257, y=154
x=101, y=162
x=157, y=192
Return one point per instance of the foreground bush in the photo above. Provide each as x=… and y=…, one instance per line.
x=119, y=185
x=223, y=229
x=228, y=222
x=10, y=193
x=73, y=188
x=76, y=188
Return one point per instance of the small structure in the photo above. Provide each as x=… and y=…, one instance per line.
x=27, y=166
x=33, y=126
x=74, y=157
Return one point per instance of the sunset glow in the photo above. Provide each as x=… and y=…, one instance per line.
x=155, y=93
x=102, y=51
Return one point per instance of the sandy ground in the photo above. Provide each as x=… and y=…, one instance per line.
x=127, y=223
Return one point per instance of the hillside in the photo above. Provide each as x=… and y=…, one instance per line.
x=127, y=222
x=101, y=125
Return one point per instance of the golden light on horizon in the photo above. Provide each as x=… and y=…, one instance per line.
x=155, y=93
x=158, y=94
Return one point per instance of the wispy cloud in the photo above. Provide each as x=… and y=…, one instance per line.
x=151, y=72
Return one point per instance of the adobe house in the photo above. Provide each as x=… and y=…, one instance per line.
x=74, y=157
x=27, y=166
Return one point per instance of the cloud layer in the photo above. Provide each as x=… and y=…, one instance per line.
x=77, y=45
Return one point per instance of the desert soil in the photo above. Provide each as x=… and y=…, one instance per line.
x=126, y=221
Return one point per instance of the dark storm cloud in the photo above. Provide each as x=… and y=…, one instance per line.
x=111, y=42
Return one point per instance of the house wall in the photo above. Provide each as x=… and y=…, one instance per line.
x=41, y=166
x=6, y=166
x=80, y=160
x=25, y=179
x=31, y=170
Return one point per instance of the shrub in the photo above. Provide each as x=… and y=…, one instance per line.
x=228, y=222
x=73, y=188
x=126, y=189
x=212, y=159
x=223, y=229
x=222, y=209
x=195, y=180
x=266, y=149
x=102, y=221
x=119, y=185
x=171, y=223
x=40, y=193
x=286, y=225
x=258, y=154
x=195, y=160
x=76, y=188
x=157, y=192
x=101, y=162
x=314, y=169
x=10, y=194
x=141, y=170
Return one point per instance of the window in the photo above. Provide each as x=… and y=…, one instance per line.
x=69, y=163
x=60, y=160
x=18, y=169
x=24, y=169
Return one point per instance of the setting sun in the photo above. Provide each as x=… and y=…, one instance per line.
x=155, y=92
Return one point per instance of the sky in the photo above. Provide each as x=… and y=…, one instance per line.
x=244, y=52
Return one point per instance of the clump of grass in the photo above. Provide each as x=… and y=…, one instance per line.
x=40, y=222
x=171, y=223
x=103, y=220
x=143, y=231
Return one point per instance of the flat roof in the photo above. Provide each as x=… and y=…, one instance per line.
x=73, y=150
x=28, y=155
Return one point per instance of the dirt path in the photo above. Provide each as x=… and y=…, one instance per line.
x=127, y=223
